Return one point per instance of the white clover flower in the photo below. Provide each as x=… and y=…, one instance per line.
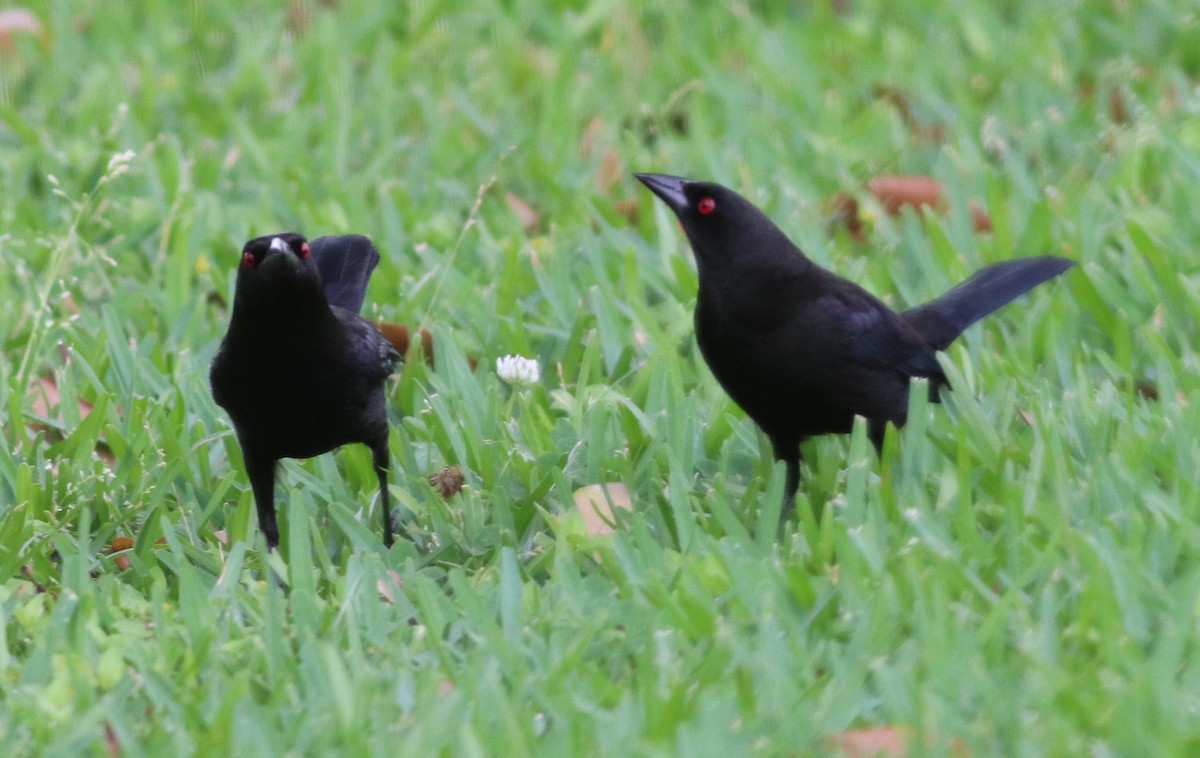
x=518, y=371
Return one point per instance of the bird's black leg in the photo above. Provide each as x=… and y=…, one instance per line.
x=876, y=430
x=791, y=486
x=789, y=453
x=379, y=453
x=261, y=472
x=935, y=390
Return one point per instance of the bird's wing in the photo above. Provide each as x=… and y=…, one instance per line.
x=345, y=264
x=879, y=337
x=370, y=348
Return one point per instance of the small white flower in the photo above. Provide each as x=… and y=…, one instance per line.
x=517, y=370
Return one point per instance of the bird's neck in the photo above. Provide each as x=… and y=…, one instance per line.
x=759, y=260
x=787, y=257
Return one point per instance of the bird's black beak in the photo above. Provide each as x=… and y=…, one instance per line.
x=668, y=188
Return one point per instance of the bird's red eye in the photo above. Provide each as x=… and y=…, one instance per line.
x=248, y=260
x=305, y=251
x=706, y=206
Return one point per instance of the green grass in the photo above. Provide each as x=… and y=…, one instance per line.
x=1020, y=572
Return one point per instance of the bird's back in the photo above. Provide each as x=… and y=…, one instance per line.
x=804, y=351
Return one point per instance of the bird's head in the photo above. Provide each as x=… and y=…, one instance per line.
x=277, y=265
x=278, y=282
x=722, y=225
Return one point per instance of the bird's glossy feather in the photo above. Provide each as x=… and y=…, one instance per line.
x=802, y=350
x=345, y=263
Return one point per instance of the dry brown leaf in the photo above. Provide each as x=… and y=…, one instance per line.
x=448, y=482
x=47, y=402
x=399, y=336
x=611, y=171
x=48, y=399
x=1117, y=110
x=888, y=742
x=384, y=586
x=119, y=544
x=523, y=211
x=385, y=591
x=843, y=211
x=895, y=192
x=298, y=17
x=15, y=21
x=628, y=209
x=595, y=503
x=111, y=744
x=980, y=220
x=590, y=137
x=126, y=543
x=871, y=742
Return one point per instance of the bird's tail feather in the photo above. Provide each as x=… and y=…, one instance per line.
x=940, y=321
x=345, y=264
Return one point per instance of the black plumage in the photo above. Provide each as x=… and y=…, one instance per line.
x=299, y=371
x=801, y=350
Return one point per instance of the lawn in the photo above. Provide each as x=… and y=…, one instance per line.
x=1018, y=574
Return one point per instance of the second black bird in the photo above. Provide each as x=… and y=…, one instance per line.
x=802, y=350
x=299, y=371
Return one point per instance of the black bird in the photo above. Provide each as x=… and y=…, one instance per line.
x=800, y=349
x=299, y=371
